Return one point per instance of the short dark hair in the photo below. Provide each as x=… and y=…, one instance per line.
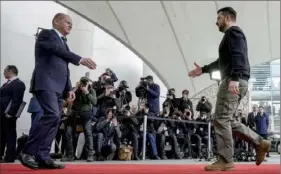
x=228, y=11
x=13, y=68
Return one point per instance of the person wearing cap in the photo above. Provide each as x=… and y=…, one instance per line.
x=81, y=114
x=153, y=94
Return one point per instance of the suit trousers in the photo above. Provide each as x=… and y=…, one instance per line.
x=8, y=137
x=224, y=123
x=44, y=130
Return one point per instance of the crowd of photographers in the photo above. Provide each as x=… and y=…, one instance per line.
x=113, y=127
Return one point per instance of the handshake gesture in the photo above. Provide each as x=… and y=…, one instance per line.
x=88, y=62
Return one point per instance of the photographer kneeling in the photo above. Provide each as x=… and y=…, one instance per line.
x=81, y=115
x=108, y=130
x=167, y=131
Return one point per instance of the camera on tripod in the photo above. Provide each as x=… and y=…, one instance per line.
x=141, y=89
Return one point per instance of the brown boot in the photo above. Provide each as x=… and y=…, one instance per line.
x=261, y=151
x=220, y=166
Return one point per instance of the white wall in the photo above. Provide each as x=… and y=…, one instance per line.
x=19, y=22
x=109, y=53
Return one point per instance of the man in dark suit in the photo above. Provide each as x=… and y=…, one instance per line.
x=12, y=93
x=251, y=118
x=50, y=83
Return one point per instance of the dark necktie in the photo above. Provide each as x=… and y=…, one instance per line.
x=64, y=42
x=6, y=83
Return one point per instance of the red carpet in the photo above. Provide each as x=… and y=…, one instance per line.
x=139, y=169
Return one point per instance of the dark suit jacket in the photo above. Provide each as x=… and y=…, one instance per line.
x=153, y=95
x=34, y=106
x=251, y=120
x=108, y=130
x=52, y=56
x=14, y=91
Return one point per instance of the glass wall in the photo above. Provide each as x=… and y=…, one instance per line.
x=265, y=89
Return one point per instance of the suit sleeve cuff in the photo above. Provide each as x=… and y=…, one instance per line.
x=80, y=61
x=205, y=69
x=234, y=77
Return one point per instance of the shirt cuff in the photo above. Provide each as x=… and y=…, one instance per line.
x=80, y=61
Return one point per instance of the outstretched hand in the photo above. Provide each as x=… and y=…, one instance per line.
x=195, y=72
x=88, y=62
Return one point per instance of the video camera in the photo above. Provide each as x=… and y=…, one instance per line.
x=141, y=89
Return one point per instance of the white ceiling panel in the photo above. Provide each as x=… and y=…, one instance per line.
x=171, y=35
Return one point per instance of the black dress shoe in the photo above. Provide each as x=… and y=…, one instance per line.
x=50, y=164
x=28, y=161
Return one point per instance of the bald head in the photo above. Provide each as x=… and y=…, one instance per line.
x=63, y=23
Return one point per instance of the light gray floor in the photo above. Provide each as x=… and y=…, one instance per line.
x=274, y=159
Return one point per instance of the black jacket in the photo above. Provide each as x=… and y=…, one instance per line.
x=107, y=129
x=233, y=59
x=204, y=107
x=12, y=92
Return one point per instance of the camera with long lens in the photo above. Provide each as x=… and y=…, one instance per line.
x=126, y=110
x=141, y=89
x=203, y=100
x=176, y=115
x=187, y=114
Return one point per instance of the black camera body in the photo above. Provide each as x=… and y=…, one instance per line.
x=143, y=82
x=108, y=81
x=84, y=82
x=141, y=89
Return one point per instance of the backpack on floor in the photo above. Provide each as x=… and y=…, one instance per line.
x=125, y=152
x=21, y=141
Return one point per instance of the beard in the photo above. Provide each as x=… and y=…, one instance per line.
x=222, y=27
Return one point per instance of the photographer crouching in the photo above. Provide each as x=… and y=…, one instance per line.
x=130, y=129
x=108, y=132
x=81, y=115
x=167, y=132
